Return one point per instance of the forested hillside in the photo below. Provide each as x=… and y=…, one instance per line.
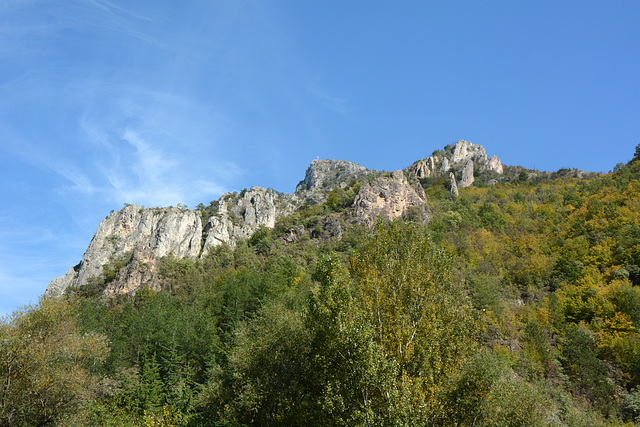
x=517, y=304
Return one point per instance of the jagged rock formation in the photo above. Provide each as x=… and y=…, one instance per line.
x=163, y=230
x=462, y=158
x=453, y=187
x=324, y=175
x=239, y=216
x=140, y=237
x=429, y=167
x=390, y=197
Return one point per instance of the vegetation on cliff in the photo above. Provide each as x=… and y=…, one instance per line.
x=518, y=304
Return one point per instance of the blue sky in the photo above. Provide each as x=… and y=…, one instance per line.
x=157, y=103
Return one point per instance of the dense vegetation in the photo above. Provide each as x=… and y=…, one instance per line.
x=517, y=305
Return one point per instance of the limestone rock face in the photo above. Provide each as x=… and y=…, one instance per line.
x=444, y=168
x=141, y=271
x=428, y=167
x=453, y=187
x=293, y=234
x=465, y=151
x=467, y=175
x=390, y=197
x=239, y=216
x=324, y=175
x=162, y=230
x=463, y=158
x=495, y=165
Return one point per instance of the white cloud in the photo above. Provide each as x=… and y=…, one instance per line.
x=155, y=148
x=336, y=103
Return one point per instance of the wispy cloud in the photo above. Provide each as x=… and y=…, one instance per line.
x=152, y=147
x=336, y=103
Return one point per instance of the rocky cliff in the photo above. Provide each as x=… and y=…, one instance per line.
x=238, y=216
x=324, y=175
x=163, y=231
x=141, y=236
x=462, y=159
x=136, y=238
x=390, y=197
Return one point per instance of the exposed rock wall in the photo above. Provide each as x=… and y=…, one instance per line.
x=390, y=197
x=145, y=235
x=467, y=175
x=324, y=175
x=463, y=158
x=162, y=230
x=453, y=187
x=148, y=234
x=429, y=167
x=141, y=271
x=239, y=216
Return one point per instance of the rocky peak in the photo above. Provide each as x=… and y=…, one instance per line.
x=390, y=196
x=463, y=158
x=464, y=151
x=324, y=175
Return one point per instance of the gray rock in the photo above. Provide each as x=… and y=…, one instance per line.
x=293, y=234
x=444, y=168
x=322, y=176
x=426, y=168
x=390, y=197
x=240, y=215
x=495, y=165
x=453, y=187
x=163, y=230
x=467, y=175
x=463, y=158
x=141, y=271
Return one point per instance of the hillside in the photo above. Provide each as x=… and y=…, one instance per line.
x=459, y=291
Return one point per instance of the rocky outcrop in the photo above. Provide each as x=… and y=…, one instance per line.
x=467, y=175
x=141, y=271
x=293, y=234
x=324, y=175
x=240, y=215
x=453, y=187
x=495, y=165
x=148, y=234
x=462, y=159
x=163, y=231
x=390, y=197
x=429, y=167
x=138, y=237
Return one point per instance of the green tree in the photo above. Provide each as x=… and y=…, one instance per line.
x=351, y=382
x=419, y=316
x=43, y=364
x=586, y=373
x=150, y=385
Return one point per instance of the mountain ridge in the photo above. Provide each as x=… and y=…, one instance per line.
x=135, y=232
